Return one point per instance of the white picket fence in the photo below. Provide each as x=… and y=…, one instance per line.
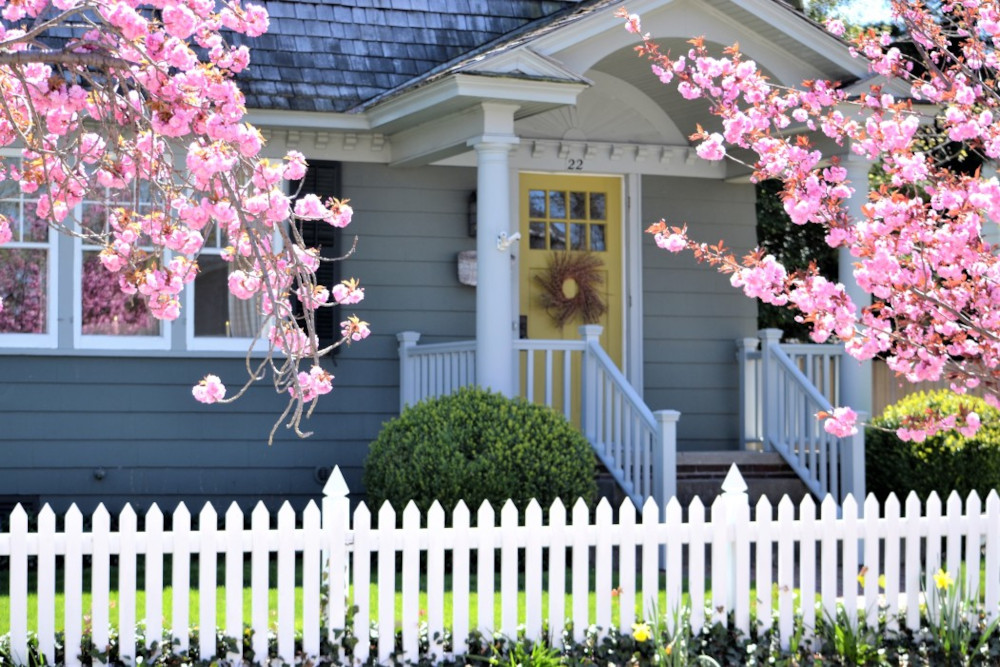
x=799, y=555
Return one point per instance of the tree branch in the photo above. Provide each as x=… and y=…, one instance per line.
x=96, y=60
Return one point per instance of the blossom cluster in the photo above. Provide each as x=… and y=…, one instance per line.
x=919, y=247
x=134, y=103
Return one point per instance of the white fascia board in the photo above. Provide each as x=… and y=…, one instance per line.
x=313, y=120
x=498, y=88
x=895, y=87
x=525, y=61
x=595, y=24
x=803, y=31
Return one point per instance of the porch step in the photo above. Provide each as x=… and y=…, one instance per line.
x=766, y=473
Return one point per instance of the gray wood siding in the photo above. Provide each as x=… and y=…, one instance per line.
x=64, y=417
x=691, y=315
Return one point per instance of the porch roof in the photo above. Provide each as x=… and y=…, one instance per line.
x=321, y=55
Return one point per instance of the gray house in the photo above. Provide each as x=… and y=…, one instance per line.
x=477, y=140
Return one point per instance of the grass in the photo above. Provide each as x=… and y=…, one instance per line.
x=194, y=598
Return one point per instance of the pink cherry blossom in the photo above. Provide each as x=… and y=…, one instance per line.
x=842, y=423
x=141, y=133
x=209, y=390
x=918, y=246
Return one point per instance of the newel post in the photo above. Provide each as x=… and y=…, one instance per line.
x=852, y=456
x=748, y=360
x=407, y=371
x=591, y=335
x=769, y=384
x=665, y=457
x=335, y=522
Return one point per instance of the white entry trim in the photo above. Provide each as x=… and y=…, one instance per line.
x=632, y=231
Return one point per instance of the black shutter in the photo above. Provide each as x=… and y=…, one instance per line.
x=323, y=180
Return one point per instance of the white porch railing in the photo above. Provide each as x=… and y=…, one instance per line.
x=438, y=369
x=576, y=378
x=783, y=388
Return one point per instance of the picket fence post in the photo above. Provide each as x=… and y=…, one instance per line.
x=736, y=505
x=335, y=521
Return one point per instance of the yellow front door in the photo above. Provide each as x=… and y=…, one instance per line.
x=571, y=234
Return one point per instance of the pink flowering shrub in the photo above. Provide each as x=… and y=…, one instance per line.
x=136, y=118
x=919, y=248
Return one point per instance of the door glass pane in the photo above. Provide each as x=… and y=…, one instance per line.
x=578, y=236
x=536, y=236
x=598, y=206
x=578, y=205
x=597, y=243
x=23, y=274
x=557, y=236
x=557, y=204
x=536, y=203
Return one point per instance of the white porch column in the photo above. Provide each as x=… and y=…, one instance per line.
x=494, y=296
x=855, y=376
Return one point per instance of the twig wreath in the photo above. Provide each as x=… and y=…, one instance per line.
x=570, y=287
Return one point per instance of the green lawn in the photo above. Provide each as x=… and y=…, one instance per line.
x=193, y=599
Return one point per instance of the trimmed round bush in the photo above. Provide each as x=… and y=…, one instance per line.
x=474, y=446
x=945, y=462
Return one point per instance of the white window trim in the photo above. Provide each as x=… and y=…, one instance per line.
x=82, y=341
x=49, y=339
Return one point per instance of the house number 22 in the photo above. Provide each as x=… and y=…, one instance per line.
x=574, y=164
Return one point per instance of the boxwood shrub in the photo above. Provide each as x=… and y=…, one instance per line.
x=944, y=462
x=475, y=445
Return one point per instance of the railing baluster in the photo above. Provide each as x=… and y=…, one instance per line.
x=548, y=379
x=530, y=375
x=568, y=384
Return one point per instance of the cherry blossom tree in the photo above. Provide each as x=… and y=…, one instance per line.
x=133, y=105
x=919, y=248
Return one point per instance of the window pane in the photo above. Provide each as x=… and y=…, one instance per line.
x=12, y=210
x=23, y=277
x=536, y=203
x=107, y=311
x=578, y=236
x=578, y=205
x=557, y=204
x=35, y=228
x=10, y=189
x=598, y=206
x=536, y=234
x=597, y=238
x=94, y=217
x=557, y=236
x=217, y=312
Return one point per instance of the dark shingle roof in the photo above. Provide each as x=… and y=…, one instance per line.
x=334, y=56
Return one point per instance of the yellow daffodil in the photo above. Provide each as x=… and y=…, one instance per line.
x=642, y=632
x=942, y=579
